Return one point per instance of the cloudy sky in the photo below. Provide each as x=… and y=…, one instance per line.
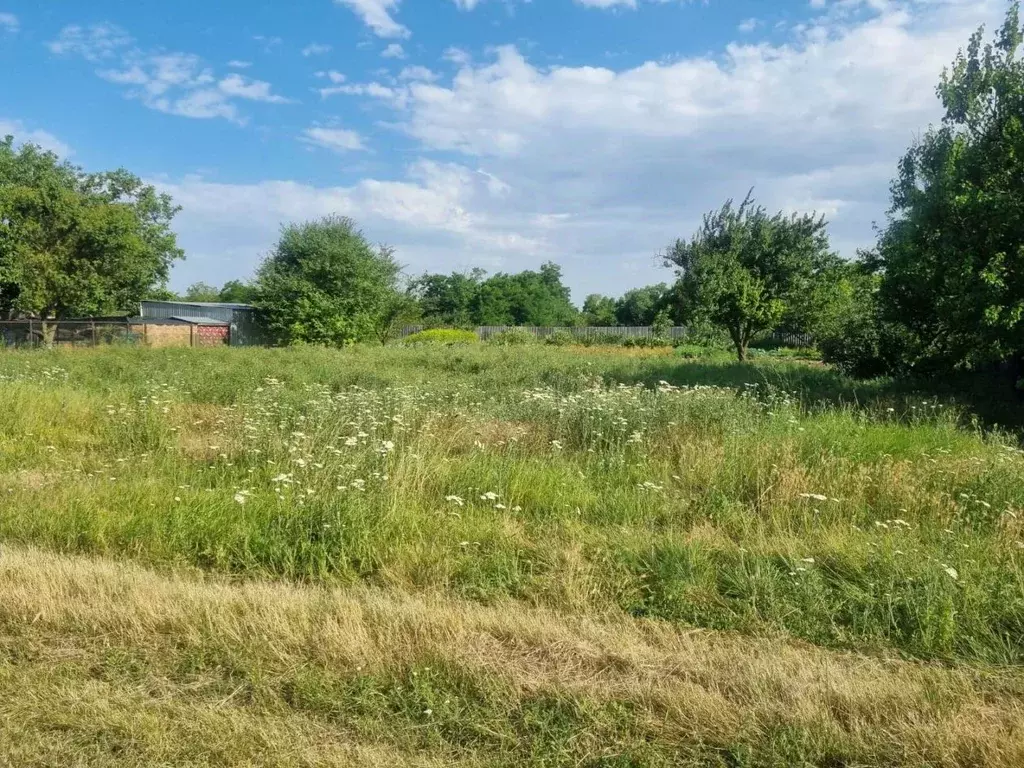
x=490, y=133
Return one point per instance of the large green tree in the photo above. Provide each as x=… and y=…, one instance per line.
x=324, y=283
x=74, y=243
x=522, y=298
x=598, y=311
x=952, y=255
x=203, y=292
x=744, y=268
x=640, y=306
x=448, y=299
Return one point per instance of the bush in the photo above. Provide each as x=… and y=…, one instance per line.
x=561, y=339
x=647, y=342
x=442, y=336
x=513, y=337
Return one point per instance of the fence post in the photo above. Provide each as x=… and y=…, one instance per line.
x=95, y=338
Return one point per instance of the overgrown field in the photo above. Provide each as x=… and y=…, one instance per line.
x=500, y=556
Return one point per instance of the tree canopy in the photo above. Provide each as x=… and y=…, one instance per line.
x=324, y=283
x=75, y=243
x=952, y=255
x=744, y=268
x=523, y=298
x=598, y=310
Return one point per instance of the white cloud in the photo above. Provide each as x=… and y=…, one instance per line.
x=600, y=168
x=8, y=22
x=237, y=64
x=254, y=90
x=748, y=25
x=417, y=73
x=93, y=43
x=376, y=14
x=335, y=139
x=172, y=82
x=24, y=135
x=225, y=227
x=316, y=49
x=457, y=56
x=466, y=5
x=333, y=75
x=393, y=51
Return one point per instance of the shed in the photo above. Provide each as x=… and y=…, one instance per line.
x=238, y=320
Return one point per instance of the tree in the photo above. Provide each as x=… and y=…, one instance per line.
x=639, y=305
x=236, y=292
x=525, y=298
x=448, y=299
x=598, y=310
x=325, y=284
x=74, y=243
x=399, y=309
x=952, y=255
x=744, y=267
x=203, y=292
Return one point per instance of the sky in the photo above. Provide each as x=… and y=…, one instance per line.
x=485, y=133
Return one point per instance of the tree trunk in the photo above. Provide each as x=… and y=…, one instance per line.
x=741, y=351
x=49, y=332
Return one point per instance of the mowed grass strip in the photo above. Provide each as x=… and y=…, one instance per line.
x=107, y=663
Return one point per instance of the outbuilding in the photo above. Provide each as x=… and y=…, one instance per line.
x=213, y=322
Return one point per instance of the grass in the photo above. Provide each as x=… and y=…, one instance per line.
x=487, y=556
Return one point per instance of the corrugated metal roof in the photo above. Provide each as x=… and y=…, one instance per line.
x=200, y=320
x=220, y=304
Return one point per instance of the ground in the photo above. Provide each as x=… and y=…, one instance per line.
x=500, y=556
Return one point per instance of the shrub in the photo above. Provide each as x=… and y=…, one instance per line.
x=647, y=342
x=604, y=339
x=561, y=339
x=442, y=336
x=513, y=337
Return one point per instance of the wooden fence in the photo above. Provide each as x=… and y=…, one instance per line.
x=624, y=331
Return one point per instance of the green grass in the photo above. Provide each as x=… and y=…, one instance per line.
x=776, y=500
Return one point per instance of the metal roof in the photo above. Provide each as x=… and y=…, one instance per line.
x=220, y=304
x=200, y=320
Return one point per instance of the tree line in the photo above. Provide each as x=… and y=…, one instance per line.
x=942, y=289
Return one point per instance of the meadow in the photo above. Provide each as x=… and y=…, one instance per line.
x=487, y=556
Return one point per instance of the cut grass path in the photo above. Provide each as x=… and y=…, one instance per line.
x=106, y=663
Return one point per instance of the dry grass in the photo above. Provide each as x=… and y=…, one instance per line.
x=123, y=666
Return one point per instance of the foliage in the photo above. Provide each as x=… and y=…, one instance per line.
x=398, y=309
x=661, y=324
x=525, y=298
x=236, y=292
x=442, y=336
x=325, y=284
x=952, y=256
x=74, y=243
x=744, y=268
x=448, y=299
x=202, y=292
x=513, y=337
x=598, y=311
x=640, y=306
x=646, y=342
x=561, y=339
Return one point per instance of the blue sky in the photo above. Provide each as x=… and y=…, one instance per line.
x=494, y=133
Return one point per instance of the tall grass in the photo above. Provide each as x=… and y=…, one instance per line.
x=577, y=481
